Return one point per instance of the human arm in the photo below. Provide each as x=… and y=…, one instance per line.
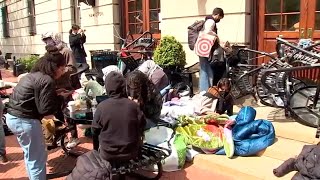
x=209, y=27
x=208, y=105
x=230, y=103
x=46, y=98
x=83, y=36
x=71, y=61
x=230, y=110
x=96, y=129
x=141, y=118
x=75, y=39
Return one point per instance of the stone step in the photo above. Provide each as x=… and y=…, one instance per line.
x=295, y=131
x=283, y=149
x=241, y=168
x=285, y=127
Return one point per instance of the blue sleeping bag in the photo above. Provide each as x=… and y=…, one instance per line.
x=250, y=136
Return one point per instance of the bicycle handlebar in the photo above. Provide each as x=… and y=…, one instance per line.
x=258, y=52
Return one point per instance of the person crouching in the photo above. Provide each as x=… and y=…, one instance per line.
x=118, y=123
x=218, y=99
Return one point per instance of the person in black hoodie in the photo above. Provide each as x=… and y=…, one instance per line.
x=118, y=123
x=76, y=39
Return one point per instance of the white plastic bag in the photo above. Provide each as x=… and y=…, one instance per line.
x=160, y=136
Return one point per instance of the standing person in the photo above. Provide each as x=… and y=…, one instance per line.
x=33, y=99
x=64, y=82
x=3, y=157
x=76, y=39
x=209, y=31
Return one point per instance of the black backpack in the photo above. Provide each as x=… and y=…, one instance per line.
x=193, y=32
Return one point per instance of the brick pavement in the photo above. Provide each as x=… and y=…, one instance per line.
x=57, y=161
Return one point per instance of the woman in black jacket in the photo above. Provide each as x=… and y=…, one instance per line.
x=33, y=99
x=76, y=39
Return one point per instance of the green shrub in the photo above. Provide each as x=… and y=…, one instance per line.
x=169, y=53
x=29, y=61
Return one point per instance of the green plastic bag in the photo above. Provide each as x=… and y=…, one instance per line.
x=159, y=136
x=177, y=158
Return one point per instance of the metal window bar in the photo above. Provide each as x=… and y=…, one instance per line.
x=32, y=18
x=5, y=21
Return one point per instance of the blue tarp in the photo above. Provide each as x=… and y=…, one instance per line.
x=250, y=135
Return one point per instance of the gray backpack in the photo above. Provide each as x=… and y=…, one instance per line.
x=193, y=32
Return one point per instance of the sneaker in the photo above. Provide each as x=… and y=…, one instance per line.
x=65, y=141
x=73, y=143
x=3, y=159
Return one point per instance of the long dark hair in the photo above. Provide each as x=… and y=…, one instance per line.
x=50, y=62
x=224, y=82
x=139, y=86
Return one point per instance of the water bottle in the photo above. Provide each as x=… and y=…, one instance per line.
x=94, y=105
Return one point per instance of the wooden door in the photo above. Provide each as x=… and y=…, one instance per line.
x=281, y=17
x=294, y=19
x=141, y=16
x=313, y=24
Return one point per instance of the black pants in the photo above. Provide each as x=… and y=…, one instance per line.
x=59, y=115
x=218, y=71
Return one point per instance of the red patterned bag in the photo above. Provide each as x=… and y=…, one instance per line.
x=204, y=44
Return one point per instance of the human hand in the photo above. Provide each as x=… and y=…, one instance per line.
x=63, y=92
x=225, y=44
x=80, y=31
x=50, y=117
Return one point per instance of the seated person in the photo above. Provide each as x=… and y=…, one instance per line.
x=155, y=74
x=217, y=99
x=108, y=69
x=64, y=84
x=118, y=123
x=141, y=90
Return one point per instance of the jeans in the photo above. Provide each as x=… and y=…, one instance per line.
x=2, y=135
x=206, y=74
x=31, y=140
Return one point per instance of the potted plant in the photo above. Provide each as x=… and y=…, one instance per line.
x=169, y=54
x=28, y=62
